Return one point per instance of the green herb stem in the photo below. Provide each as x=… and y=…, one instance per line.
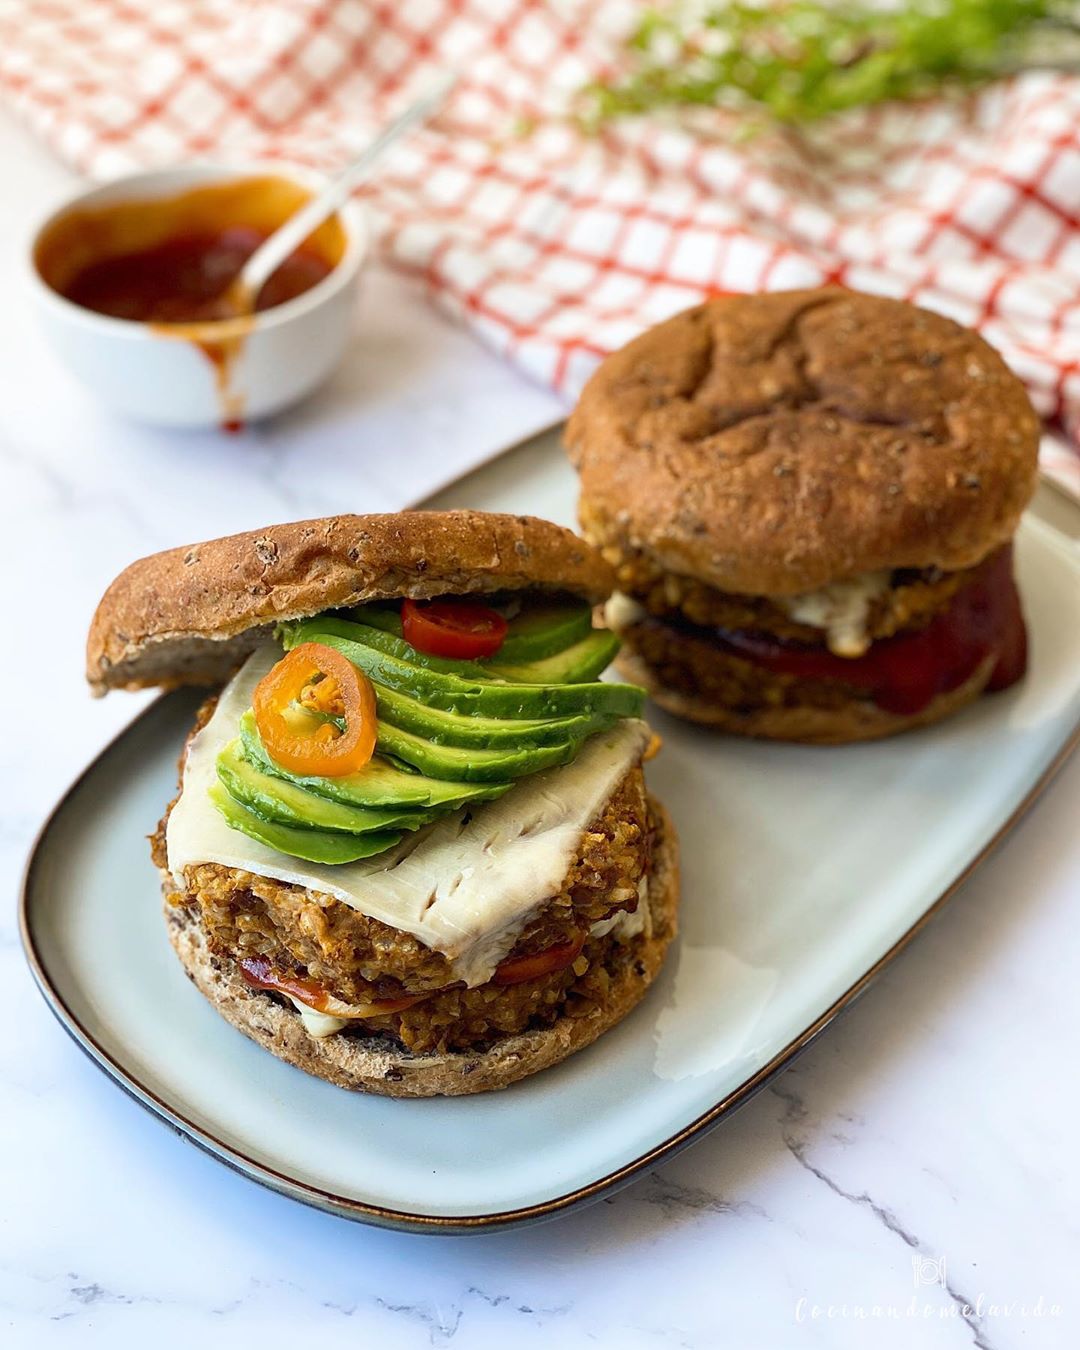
x=801, y=60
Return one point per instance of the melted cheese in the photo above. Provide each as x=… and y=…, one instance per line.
x=465, y=885
x=841, y=609
x=622, y=611
x=317, y=1024
x=626, y=925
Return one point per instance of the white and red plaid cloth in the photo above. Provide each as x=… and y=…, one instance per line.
x=555, y=248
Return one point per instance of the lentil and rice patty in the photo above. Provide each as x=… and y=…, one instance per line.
x=911, y=601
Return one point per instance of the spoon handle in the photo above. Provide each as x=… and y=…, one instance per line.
x=269, y=256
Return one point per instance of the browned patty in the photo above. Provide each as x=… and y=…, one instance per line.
x=462, y=1019
x=911, y=602
x=690, y=663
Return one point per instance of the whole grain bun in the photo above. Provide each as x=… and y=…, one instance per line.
x=381, y=1066
x=860, y=720
x=771, y=444
x=190, y=615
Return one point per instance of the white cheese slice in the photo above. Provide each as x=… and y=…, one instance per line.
x=465, y=885
x=841, y=609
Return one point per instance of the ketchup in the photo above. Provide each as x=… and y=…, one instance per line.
x=184, y=279
x=904, y=674
x=259, y=972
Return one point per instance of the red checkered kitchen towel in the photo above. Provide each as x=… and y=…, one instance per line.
x=555, y=248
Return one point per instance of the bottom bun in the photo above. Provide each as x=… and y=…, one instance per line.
x=379, y=1064
x=857, y=720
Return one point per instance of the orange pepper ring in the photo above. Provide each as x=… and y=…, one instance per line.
x=303, y=753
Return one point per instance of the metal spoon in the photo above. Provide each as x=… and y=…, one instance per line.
x=268, y=257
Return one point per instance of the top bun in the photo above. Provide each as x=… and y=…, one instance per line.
x=191, y=615
x=772, y=444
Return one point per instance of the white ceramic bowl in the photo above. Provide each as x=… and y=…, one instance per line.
x=285, y=353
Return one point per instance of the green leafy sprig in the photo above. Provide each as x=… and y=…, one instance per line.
x=797, y=61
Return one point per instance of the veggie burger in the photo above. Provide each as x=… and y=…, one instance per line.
x=809, y=498
x=412, y=851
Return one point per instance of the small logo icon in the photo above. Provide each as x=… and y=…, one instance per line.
x=928, y=1270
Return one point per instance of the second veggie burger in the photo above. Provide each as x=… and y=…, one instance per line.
x=412, y=850
x=809, y=499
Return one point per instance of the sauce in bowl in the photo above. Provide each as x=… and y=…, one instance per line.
x=186, y=280
x=167, y=262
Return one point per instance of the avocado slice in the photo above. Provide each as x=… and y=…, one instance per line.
x=585, y=660
x=367, y=649
x=318, y=846
x=386, y=617
x=468, y=763
x=485, y=733
x=542, y=628
x=285, y=803
x=378, y=784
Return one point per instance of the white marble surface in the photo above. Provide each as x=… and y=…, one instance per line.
x=936, y=1123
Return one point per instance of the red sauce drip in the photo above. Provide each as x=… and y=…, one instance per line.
x=258, y=971
x=904, y=674
x=184, y=279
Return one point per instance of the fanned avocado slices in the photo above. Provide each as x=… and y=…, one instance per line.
x=379, y=784
x=278, y=800
x=489, y=695
x=448, y=731
x=313, y=845
x=468, y=763
x=483, y=733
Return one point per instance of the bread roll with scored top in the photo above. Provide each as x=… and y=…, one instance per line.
x=764, y=458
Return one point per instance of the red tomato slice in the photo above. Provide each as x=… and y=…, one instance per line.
x=460, y=629
x=518, y=969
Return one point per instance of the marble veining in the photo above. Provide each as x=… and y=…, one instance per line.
x=798, y=1144
x=911, y=1182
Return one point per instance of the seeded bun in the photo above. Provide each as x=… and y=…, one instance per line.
x=191, y=615
x=381, y=1066
x=859, y=720
x=771, y=444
